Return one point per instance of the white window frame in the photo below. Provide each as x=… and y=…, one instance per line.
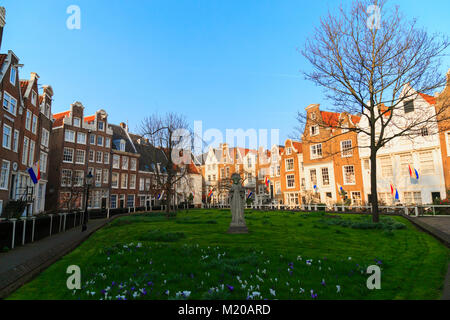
x=28, y=117
x=31, y=153
x=84, y=156
x=423, y=170
x=34, y=124
x=97, y=158
x=115, y=185
x=26, y=145
x=13, y=75
x=347, y=183
x=64, y=154
x=327, y=174
x=348, y=150
x=10, y=137
x=43, y=157
x=77, y=122
x=289, y=164
x=314, y=151
x=45, y=137
x=15, y=141
x=99, y=137
x=5, y=175
x=69, y=135
x=288, y=180
x=311, y=130
x=105, y=175
x=79, y=140
x=10, y=106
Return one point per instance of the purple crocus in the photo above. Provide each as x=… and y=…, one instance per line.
x=231, y=288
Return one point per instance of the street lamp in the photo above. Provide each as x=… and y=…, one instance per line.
x=89, y=179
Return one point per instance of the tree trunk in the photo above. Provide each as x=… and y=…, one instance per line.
x=373, y=185
x=168, y=202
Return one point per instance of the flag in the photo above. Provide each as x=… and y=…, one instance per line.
x=267, y=182
x=340, y=188
x=392, y=189
x=35, y=172
x=249, y=194
x=396, y=195
x=410, y=171
x=417, y=174
x=160, y=195
x=210, y=193
x=315, y=188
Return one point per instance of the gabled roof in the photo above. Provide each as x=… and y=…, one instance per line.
x=2, y=59
x=297, y=145
x=119, y=133
x=427, y=98
x=59, y=118
x=150, y=155
x=89, y=119
x=23, y=86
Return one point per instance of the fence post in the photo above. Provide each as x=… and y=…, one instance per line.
x=406, y=211
x=32, y=233
x=343, y=208
x=416, y=209
x=134, y=209
x=315, y=207
x=65, y=218
x=24, y=219
x=107, y=213
x=14, y=232
x=434, y=211
x=128, y=209
x=51, y=223
x=60, y=221
x=334, y=207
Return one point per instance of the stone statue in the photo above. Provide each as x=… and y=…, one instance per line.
x=237, y=200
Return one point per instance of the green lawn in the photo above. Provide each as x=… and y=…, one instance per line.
x=286, y=255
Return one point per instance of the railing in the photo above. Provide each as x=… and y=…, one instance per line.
x=412, y=210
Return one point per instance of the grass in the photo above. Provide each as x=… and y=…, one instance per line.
x=285, y=256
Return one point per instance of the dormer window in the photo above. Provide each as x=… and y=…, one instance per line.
x=122, y=145
x=33, y=97
x=101, y=126
x=76, y=122
x=288, y=151
x=13, y=76
x=313, y=116
x=314, y=130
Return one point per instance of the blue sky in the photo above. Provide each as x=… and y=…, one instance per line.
x=231, y=64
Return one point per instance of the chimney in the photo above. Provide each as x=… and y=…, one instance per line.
x=123, y=126
x=2, y=23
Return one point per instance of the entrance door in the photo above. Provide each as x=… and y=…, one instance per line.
x=103, y=203
x=435, y=196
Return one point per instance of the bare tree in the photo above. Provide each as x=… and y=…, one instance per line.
x=171, y=134
x=371, y=61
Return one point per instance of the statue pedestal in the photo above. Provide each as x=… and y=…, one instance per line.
x=237, y=229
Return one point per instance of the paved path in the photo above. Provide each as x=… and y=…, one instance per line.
x=439, y=227
x=21, y=264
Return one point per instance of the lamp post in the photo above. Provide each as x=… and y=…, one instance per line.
x=89, y=179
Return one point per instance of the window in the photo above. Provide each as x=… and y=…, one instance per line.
x=4, y=175
x=100, y=141
x=105, y=175
x=43, y=162
x=356, y=197
x=293, y=199
x=26, y=143
x=98, y=177
x=34, y=124
x=405, y=162
x=47, y=110
x=141, y=184
x=147, y=184
x=124, y=181
x=278, y=188
x=15, y=142
x=313, y=116
x=113, y=203
x=76, y=122
x=313, y=176
x=290, y=181
x=101, y=125
x=9, y=103
x=130, y=201
x=133, y=164
x=346, y=148
x=316, y=151
x=68, y=155
x=7, y=132
x=28, y=120
x=289, y=164
x=69, y=136
x=325, y=177
x=45, y=137
x=107, y=142
x=66, y=179
x=412, y=197
x=424, y=132
x=99, y=157
x=92, y=139
x=106, y=158
x=91, y=156
x=115, y=180
x=288, y=151
x=132, y=181
x=124, y=163
x=385, y=198
x=122, y=145
x=349, y=174
x=249, y=162
x=314, y=130
x=386, y=167
x=78, y=178
x=409, y=106
x=13, y=76
x=366, y=164
x=31, y=155
x=116, y=161
x=81, y=138
x=426, y=163
x=278, y=170
x=80, y=156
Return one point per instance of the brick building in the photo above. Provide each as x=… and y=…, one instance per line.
x=80, y=144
